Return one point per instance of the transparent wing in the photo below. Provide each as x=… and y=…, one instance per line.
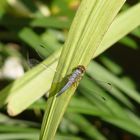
x=96, y=88
x=106, y=85
x=33, y=62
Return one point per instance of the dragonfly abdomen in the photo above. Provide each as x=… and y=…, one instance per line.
x=69, y=83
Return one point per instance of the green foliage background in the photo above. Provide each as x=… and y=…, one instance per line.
x=38, y=29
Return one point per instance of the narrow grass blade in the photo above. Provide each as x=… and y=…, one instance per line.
x=122, y=25
x=89, y=26
x=86, y=127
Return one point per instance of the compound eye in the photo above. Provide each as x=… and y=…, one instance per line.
x=81, y=68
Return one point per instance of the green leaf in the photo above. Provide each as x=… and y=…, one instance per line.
x=85, y=126
x=20, y=88
x=88, y=28
x=122, y=25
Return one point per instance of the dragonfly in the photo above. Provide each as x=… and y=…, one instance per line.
x=73, y=79
x=75, y=76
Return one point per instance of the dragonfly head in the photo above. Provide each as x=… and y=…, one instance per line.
x=81, y=68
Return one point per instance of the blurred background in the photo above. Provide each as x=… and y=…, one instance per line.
x=33, y=30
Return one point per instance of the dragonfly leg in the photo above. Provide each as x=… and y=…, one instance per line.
x=75, y=84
